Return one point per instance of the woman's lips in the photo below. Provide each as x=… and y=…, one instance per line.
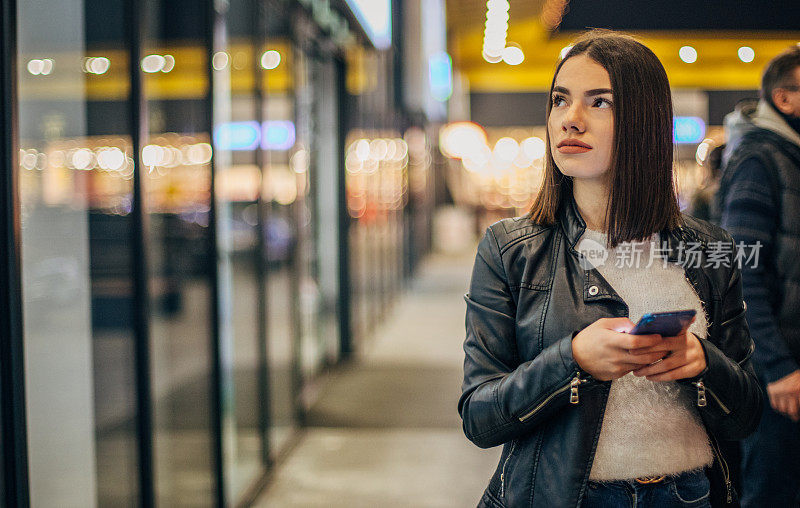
x=573, y=149
x=573, y=146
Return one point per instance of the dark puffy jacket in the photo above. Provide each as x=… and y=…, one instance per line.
x=523, y=389
x=780, y=158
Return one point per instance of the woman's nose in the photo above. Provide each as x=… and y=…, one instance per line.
x=573, y=120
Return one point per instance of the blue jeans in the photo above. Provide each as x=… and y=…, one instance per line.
x=690, y=489
x=771, y=462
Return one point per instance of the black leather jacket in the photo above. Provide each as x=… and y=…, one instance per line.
x=522, y=388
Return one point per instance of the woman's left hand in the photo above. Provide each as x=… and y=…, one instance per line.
x=685, y=359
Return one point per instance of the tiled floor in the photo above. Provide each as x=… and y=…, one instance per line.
x=386, y=432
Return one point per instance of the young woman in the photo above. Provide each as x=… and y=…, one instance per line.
x=588, y=414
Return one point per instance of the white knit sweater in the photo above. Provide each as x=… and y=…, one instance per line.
x=649, y=428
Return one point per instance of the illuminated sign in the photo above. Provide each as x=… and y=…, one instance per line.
x=237, y=136
x=240, y=136
x=440, y=73
x=277, y=135
x=375, y=16
x=688, y=129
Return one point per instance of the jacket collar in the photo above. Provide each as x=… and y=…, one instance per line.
x=571, y=220
x=767, y=118
x=574, y=226
x=595, y=287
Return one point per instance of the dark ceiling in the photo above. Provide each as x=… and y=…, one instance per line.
x=761, y=15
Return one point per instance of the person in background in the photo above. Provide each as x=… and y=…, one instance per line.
x=759, y=201
x=701, y=205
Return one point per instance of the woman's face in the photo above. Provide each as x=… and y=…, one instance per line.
x=581, y=122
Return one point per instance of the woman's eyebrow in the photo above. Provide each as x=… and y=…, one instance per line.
x=588, y=93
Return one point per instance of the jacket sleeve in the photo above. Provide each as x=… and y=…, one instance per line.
x=733, y=394
x=499, y=393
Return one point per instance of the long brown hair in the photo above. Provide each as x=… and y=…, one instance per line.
x=643, y=198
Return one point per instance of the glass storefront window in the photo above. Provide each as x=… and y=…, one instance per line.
x=238, y=140
x=327, y=169
x=280, y=193
x=176, y=174
x=75, y=179
x=204, y=269
x=377, y=188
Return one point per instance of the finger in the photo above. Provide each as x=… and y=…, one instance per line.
x=665, y=344
x=621, y=356
x=785, y=408
x=630, y=342
x=770, y=390
x=642, y=360
x=776, y=403
x=792, y=408
x=621, y=324
x=780, y=405
x=623, y=369
x=691, y=350
x=629, y=366
x=681, y=340
x=683, y=372
x=687, y=325
x=665, y=365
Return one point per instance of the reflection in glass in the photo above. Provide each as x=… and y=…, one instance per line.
x=326, y=171
x=281, y=188
x=176, y=165
x=75, y=178
x=238, y=138
x=305, y=209
x=376, y=164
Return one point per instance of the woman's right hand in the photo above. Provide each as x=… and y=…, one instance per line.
x=603, y=349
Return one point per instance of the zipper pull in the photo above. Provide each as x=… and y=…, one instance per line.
x=701, y=393
x=573, y=389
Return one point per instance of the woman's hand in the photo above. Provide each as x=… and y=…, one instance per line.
x=605, y=351
x=684, y=358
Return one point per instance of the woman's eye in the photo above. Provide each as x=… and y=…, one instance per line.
x=558, y=100
x=600, y=102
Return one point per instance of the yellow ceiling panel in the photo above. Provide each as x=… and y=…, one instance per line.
x=717, y=67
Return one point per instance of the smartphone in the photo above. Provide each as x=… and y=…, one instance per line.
x=666, y=324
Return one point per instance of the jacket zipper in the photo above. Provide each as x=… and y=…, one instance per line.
x=572, y=386
x=702, y=390
x=724, y=466
x=701, y=393
x=503, y=472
